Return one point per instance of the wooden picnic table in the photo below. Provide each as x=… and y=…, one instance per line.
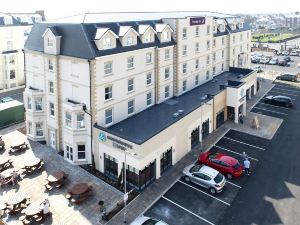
x=32, y=162
x=6, y=174
x=4, y=160
x=56, y=176
x=33, y=209
x=79, y=192
x=14, y=199
x=18, y=148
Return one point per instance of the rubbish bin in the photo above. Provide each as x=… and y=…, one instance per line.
x=101, y=206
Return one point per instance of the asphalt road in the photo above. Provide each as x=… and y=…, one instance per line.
x=272, y=196
x=14, y=94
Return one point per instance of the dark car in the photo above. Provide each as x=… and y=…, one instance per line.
x=287, y=58
x=279, y=100
x=283, y=63
x=287, y=77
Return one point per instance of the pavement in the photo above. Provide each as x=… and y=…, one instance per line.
x=154, y=194
x=62, y=211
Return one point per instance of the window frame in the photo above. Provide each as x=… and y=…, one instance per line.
x=130, y=62
x=149, y=99
x=108, y=95
x=41, y=129
x=79, y=123
x=184, y=33
x=184, y=68
x=51, y=109
x=108, y=68
x=130, y=108
x=167, y=91
x=130, y=87
x=149, y=77
x=106, y=116
x=68, y=121
x=79, y=152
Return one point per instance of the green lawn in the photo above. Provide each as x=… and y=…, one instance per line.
x=270, y=37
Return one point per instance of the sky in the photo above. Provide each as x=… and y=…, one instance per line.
x=61, y=8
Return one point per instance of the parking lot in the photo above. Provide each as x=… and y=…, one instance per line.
x=189, y=204
x=281, y=112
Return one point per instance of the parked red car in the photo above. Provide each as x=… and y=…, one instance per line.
x=227, y=165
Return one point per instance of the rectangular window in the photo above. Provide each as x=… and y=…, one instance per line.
x=214, y=70
x=214, y=57
x=130, y=107
x=39, y=129
x=11, y=60
x=69, y=152
x=222, y=67
x=129, y=40
x=149, y=78
x=29, y=106
x=108, y=116
x=68, y=119
x=107, y=43
x=130, y=85
x=49, y=42
x=12, y=74
x=233, y=39
x=50, y=65
x=108, y=92
x=130, y=62
x=149, y=98
x=207, y=75
x=38, y=104
x=223, y=41
x=196, y=79
x=149, y=58
x=51, y=87
x=197, y=64
x=184, y=33
x=148, y=38
x=207, y=60
x=166, y=35
x=208, y=45
x=167, y=54
x=214, y=29
x=208, y=30
x=167, y=73
x=30, y=128
x=108, y=68
x=223, y=53
x=197, y=32
x=197, y=47
x=111, y=166
x=80, y=121
x=81, y=152
x=184, y=50
x=214, y=43
x=51, y=109
x=167, y=91
x=184, y=66
x=9, y=45
x=184, y=85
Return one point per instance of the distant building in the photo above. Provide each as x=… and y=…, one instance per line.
x=14, y=30
x=293, y=20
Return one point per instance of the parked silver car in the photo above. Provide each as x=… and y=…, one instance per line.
x=144, y=220
x=205, y=176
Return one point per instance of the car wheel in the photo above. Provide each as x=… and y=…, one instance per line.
x=229, y=176
x=212, y=190
x=187, y=179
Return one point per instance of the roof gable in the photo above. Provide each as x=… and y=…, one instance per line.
x=125, y=29
x=101, y=32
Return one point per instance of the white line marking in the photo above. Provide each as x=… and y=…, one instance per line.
x=205, y=220
x=285, y=89
x=270, y=110
x=263, y=96
x=281, y=107
x=245, y=143
x=284, y=93
x=233, y=184
x=225, y=149
x=226, y=203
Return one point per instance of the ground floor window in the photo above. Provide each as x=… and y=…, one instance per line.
x=195, y=137
x=39, y=129
x=220, y=118
x=81, y=152
x=132, y=176
x=69, y=152
x=110, y=166
x=30, y=128
x=166, y=160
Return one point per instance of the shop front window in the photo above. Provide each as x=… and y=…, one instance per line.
x=110, y=166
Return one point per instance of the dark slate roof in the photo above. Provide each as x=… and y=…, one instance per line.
x=245, y=28
x=54, y=31
x=146, y=124
x=78, y=39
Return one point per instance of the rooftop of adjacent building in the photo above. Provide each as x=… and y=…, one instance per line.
x=18, y=19
x=146, y=124
x=109, y=17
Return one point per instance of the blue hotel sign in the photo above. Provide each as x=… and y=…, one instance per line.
x=197, y=21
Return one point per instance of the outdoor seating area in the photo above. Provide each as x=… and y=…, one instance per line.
x=41, y=175
x=15, y=149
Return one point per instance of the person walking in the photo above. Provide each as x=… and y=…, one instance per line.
x=247, y=166
x=244, y=156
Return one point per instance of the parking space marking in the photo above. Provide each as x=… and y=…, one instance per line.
x=225, y=149
x=174, y=203
x=286, y=89
x=233, y=184
x=281, y=107
x=284, y=93
x=226, y=203
x=270, y=111
x=245, y=143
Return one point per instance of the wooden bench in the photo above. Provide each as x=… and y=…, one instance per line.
x=18, y=148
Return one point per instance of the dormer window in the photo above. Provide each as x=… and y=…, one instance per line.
x=49, y=42
x=166, y=36
x=148, y=38
x=241, y=26
x=107, y=43
x=129, y=40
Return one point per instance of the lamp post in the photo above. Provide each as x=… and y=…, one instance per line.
x=125, y=188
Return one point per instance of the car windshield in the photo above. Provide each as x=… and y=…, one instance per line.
x=150, y=222
x=237, y=165
x=213, y=156
x=195, y=168
x=218, y=178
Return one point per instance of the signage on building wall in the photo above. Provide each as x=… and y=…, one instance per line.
x=197, y=21
x=102, y=137
x=118, y=143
